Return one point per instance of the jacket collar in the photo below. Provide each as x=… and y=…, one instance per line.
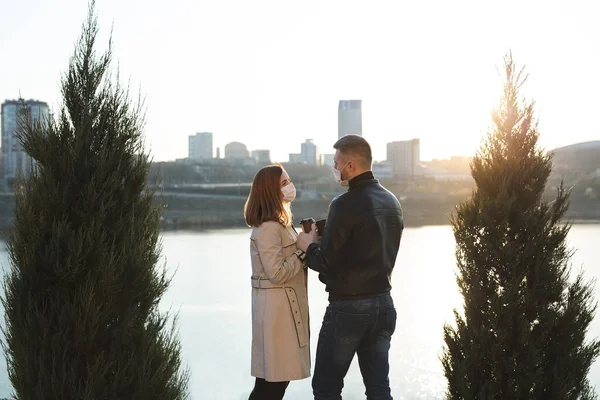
x=366, y=177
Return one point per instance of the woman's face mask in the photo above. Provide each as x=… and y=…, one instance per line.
x=289, y=192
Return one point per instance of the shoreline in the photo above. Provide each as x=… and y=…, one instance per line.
x=201, y=214
x=205, y=226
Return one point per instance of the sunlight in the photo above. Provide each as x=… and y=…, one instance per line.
x=450, y=111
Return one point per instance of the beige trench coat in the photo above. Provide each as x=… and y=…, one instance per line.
x=280, y=331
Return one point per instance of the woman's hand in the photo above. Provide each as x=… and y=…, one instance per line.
x=306, y=239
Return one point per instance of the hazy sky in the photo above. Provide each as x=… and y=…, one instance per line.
x=269, y=73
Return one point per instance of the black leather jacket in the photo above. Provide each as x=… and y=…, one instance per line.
x=360, y=243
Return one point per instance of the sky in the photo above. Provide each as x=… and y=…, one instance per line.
x=270, y=73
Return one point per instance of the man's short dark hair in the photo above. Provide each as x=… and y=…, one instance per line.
x=355, y=145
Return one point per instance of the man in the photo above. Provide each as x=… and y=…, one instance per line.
x=355, y=259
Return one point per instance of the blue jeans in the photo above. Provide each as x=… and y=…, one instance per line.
x=364, y=327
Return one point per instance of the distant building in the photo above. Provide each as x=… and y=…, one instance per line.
x=262, y=156
x=309, y=152
x=446, y=176
x=14, y=158
x=349, y=117
x=295, y=158
x=327, y=159
x=200, y=146
x=454, y=168
x=404, y=157
x=382, y=170
x=236, y=150
x=185, y=161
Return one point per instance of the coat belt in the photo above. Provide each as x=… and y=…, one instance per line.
x=264, y=283
x=261, y=283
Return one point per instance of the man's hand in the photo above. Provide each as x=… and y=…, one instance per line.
x=306, y=239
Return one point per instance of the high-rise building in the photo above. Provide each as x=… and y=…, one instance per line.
x=405, y=158
x=236, y=150
x=349, y=118
x=201, y=146
x=309, y=152
x=14, y=159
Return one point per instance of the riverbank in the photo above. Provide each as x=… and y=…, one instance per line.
x=189, y=213
x=194, y=213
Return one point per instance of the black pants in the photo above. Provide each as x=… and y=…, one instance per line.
x=264, y=390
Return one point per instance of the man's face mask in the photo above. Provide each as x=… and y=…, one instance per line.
x=338, y=175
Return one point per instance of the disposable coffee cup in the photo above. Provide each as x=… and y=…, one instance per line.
x=306, y=224
x=320, y=226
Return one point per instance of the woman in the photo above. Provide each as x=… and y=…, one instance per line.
x=280, y=332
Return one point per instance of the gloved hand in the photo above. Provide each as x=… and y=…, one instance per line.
x=306, y=239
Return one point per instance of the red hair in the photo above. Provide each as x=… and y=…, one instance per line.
x=265, y=202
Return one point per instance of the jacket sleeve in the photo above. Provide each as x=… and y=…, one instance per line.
x=270, y=250
x=326, y=258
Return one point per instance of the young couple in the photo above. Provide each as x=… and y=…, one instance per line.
x=354, y=258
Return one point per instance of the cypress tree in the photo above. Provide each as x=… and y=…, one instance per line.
x=83, y=287
x=522, y=334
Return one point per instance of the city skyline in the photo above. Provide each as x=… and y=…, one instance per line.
x=285, y=68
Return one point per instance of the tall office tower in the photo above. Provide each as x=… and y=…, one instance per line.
x=349, y=118
x=404, y=158
x=201, y=146
x=14, y=159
